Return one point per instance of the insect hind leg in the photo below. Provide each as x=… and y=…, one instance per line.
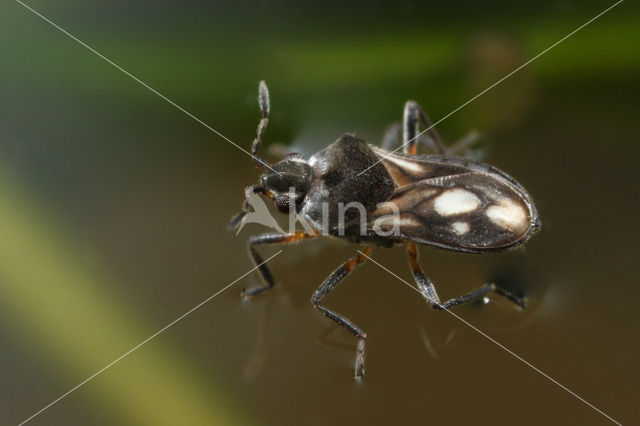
x=428, y=290
x=325, y=288
x=414, y=117
x=487, y=288
x=390, y=138
x=463, y=144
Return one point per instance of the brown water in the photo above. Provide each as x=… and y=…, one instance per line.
x=114, y=208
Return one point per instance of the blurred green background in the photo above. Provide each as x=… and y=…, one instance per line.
x=113, y=208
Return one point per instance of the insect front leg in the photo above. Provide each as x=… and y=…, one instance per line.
x=265, y=274
x=414, y=117
x=428, y=290
x=325, y=288
x=248, y=192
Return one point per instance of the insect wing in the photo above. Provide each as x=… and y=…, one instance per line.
x=454, y=203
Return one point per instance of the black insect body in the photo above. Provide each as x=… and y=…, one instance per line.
x=368, y=195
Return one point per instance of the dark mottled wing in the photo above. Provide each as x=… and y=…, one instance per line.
x=454, y=203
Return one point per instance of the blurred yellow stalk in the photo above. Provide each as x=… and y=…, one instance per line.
x=75, y=325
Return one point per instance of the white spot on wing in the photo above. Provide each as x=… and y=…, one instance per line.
x=509, y=215
x=397, y=221
x=460, y=228
x=456, y=201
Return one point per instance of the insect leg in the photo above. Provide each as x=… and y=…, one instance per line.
x=325, y=288
x=463, y=143
x=248, y=192
x=428, y=290
x=265, y=106
x=390, y=139
x=390, y=136
x=265, y=274
x=413, y=118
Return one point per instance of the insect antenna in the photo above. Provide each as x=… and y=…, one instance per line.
x=265, y=106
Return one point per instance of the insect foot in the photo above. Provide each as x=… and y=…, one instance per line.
x=520, y=301
x=359, y=367
x=249, y=293
x=246, y=294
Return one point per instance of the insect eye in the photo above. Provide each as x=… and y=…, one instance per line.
x=282, y=203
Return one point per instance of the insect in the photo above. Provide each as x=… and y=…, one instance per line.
x=440, y=200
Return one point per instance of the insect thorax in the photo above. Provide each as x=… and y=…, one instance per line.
x=339, y=197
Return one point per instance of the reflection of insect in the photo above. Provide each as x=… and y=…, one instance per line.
x=439, y=200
